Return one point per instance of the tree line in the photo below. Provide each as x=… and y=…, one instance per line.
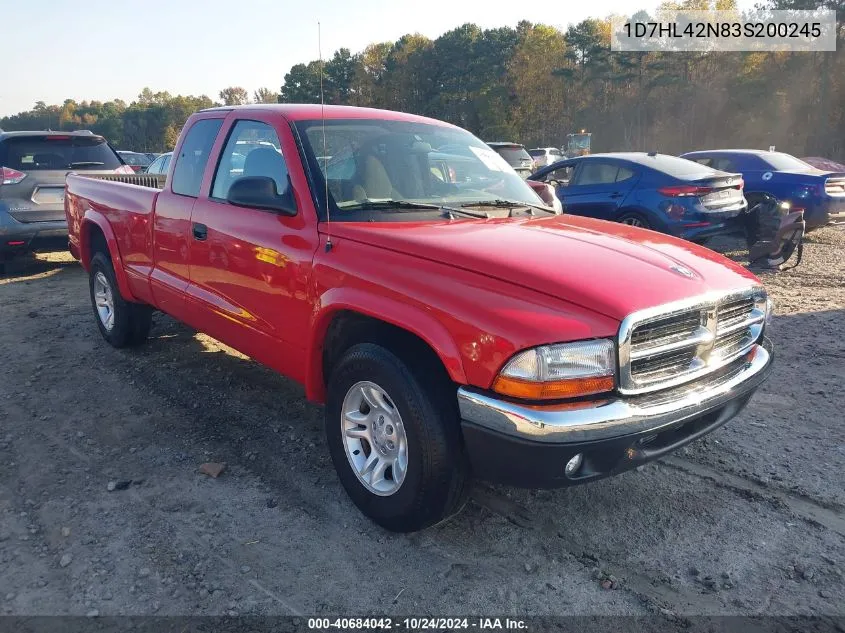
x=534, y=84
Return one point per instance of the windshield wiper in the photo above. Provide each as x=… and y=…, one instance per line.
x=86, y=163
x=508, y=204
x=387, y=204
x=452, y=212
x=408, y=205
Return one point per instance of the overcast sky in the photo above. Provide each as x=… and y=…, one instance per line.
x=101, y=49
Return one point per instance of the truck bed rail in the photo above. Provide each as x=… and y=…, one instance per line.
x=151, y=181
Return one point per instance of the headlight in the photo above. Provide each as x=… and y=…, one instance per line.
x=565, y=370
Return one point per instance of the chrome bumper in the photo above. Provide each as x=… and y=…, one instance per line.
x=599, y=420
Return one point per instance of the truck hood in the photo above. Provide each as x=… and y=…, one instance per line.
x=609, y=268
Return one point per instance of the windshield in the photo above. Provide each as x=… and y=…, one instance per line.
x=785, y=162
x=57, y=152
x=368, y=162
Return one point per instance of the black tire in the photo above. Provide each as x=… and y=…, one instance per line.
x=435, y=484
x=131, y=321
x=634, y=219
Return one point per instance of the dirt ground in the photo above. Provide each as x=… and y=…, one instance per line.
x=748, y=520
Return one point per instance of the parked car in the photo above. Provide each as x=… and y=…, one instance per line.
x=820, y=193
x=33, y=166
x=136, y=160
x=152, y=155
x=544, y=156
x=516, y=156
x=160, y=165
x=447, y=331
x=649, y=190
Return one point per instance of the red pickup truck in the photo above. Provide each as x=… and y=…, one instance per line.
x=453, y=327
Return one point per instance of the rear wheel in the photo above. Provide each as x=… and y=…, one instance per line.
x=394, y=438
x=121, y=323
x=634, y=219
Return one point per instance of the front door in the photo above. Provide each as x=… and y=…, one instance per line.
x=250, y=267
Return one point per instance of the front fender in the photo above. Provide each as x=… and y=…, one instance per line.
x=402, y=315
x=95, y=218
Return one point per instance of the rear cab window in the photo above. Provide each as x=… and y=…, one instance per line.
x=57, y=152
x=193, y=157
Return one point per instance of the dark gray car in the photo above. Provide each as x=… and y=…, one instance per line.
x=516, y=156
x=33, y=166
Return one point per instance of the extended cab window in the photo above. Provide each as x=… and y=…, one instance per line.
x=193, y=156
x=253, y=149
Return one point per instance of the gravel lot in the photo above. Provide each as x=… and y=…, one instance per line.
x=746, y=521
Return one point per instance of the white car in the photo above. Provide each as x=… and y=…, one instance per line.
x=544, y=156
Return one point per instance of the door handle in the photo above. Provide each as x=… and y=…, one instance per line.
x=200, y=231
x=616, y=194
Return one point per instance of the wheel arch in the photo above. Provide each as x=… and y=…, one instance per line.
x=96, y=235
x=349, y=316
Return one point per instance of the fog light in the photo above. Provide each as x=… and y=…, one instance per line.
x=573, y=465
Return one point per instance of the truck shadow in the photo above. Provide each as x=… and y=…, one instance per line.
x=262, y=422
x=35, y=266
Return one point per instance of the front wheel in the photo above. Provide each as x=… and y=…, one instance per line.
x=120, y=322
x=394, y=438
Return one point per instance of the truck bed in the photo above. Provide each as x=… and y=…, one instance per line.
x=125, y=201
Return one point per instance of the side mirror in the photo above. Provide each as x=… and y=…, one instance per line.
x=259, y=192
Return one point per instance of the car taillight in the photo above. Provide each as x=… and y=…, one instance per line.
x=677, y=191
x=9, y=176
x=124, y=169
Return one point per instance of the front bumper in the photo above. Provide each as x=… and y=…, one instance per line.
x=529, y=446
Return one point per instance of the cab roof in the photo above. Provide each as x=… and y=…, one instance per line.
x=314, y=111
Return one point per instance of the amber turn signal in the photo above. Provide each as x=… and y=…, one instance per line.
x=554, y=390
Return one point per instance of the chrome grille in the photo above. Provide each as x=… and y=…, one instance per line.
x=670, y=345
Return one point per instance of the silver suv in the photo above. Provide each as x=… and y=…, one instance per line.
x=33, y=166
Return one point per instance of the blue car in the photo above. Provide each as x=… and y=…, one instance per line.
x=821, y=194
x=654, y=191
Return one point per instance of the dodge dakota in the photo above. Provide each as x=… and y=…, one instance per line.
x=453, y=328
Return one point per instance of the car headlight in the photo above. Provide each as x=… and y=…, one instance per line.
x=564, y=370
